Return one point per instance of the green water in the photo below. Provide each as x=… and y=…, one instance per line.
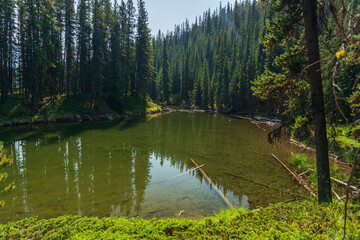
x=123, y=168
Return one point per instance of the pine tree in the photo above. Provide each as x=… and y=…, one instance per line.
x=125, y=50
x=197, y=92
x=186, y=81
x=6, y=45
x=97, y=77
x=165, y=82
x=115, y=86
x=129, y=29
x=84, y=31
x=317, y=97
x=176, y=78
x=107, y=35
x=205, y=86
x=69, y=45
x=144, y=68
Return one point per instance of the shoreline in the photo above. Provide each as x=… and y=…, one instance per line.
x=111, y=117
x=76, y=118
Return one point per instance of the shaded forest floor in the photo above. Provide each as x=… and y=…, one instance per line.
x=297, y=220
x=75, y=108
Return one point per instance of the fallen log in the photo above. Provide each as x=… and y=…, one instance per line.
x=266, y=186
x=298, y=179
x=249, y=180
x=240, y=117
x=213, y=185
x=190, y=170
x=253, y=122
x=343, y=183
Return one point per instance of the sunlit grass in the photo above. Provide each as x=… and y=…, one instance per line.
x=297, y=220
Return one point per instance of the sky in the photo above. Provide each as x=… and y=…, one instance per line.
x=165, y=14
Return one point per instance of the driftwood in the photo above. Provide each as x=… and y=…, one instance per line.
x=249, y=180
x=343, y=183
x=181, y=212
x=213, y=185
x=335, y=157
x=240, y=117
x=304, y=173
x=256, y=121
x=253, y=122
x=264, y=185
x=337, y=196
x=298, y=179
x=190, y=170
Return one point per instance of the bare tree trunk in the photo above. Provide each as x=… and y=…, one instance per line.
x=317, y=97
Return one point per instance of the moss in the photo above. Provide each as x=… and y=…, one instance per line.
x=299, y=220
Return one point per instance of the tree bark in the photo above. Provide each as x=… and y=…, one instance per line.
x=317, y=98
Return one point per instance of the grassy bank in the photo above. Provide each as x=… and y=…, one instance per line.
x=62, y=109
x=299, y=220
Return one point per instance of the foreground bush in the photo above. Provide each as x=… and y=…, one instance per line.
x=299, y=220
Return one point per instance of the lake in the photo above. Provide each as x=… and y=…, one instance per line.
x=124, y=168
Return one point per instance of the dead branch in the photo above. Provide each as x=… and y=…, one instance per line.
x=213, y=185
x=298, y=179
x=304, y=173
x=249, y=180
x=335, y=15
x=264, y=185
x=342, y=198
x=334, y=92
x=343, y=183
x=356, y=162
x=190, y=170
x=253, y=122
x=337, y=196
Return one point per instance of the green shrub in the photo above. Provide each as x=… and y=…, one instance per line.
x=4, y=162
x=301, y=128
x=297, y=220
x=300, y=162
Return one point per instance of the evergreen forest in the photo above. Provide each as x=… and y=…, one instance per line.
x=246, y=57
x=293, y=63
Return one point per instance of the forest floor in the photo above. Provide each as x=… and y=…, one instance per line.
x=63, y=109
x=296, y=220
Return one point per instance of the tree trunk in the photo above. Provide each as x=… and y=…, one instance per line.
x=317, y=98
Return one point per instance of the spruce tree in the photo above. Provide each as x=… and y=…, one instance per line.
x=165, y=81
x=205, y=86
x=84, y=31
x=144, y=68
x=97, y=77
x=115, y=86
x=69, y=45
x=129, y=29
x=186, y=81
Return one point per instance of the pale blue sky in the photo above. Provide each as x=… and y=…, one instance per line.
x=164, y=14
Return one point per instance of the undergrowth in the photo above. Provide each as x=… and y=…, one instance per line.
x=17, y=111
x=301, y=164
x=297, y=220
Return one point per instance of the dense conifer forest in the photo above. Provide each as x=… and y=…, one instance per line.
x=251, y=58
x=213, y=62
x=247, y=57
x=101, y=51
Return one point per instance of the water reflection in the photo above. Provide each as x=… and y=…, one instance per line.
x=122, y=168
